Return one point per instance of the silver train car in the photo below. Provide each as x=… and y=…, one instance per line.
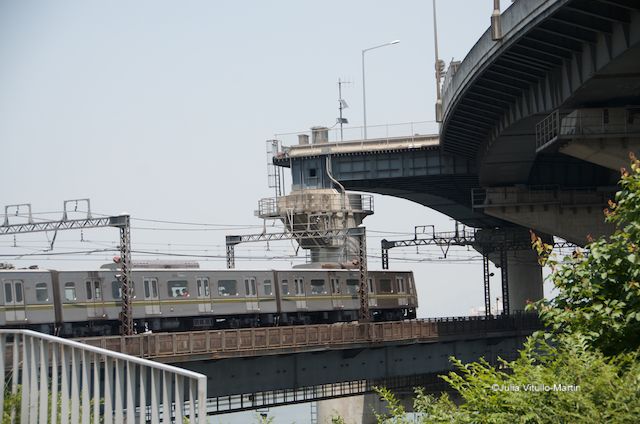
x=84, y=303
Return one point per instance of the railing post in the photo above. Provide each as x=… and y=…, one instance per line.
x=26, y=379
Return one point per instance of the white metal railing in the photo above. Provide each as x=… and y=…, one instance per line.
x=547, y=129
x=306, y=202
x=588, y=123
x=379, y=132
x=55, y=380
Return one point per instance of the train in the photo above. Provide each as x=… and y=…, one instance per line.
x=187, y=298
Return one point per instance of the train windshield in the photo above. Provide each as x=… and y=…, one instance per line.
x=385, y=285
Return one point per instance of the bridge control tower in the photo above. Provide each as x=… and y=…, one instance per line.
x=317, y=202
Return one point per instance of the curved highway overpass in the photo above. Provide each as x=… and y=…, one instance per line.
x=549, y=112
x=555, y=55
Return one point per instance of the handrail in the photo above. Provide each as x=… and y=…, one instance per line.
x=75, y=378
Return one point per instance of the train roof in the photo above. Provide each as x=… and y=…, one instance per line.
x=36, y=270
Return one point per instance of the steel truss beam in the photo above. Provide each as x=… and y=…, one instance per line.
x=487, y=291
x=504, y=277
x=501, y=243
x=121, y=222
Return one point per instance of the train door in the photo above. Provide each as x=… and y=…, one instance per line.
x=301, y=301
x=95, y=298
x=402, y=292
x=152, y=301
x=14, y=300
x=204, y=295
x=373, y=300
x=251, y=293
x=336, y=298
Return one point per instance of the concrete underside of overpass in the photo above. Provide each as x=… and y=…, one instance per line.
x=556, y=57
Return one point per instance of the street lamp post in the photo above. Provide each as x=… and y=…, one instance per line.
x=364, y=93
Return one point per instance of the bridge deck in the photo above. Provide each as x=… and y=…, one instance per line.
x=417, y=141
x=251, y=342
x=264, y=367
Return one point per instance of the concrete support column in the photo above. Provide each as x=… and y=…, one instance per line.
x=358, y=409
x=520, y=270
x=525, y=278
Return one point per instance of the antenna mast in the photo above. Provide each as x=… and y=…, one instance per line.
x=341, y=105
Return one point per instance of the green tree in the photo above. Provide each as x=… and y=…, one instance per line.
x=599, y=291
x=586, y=368
x=561, y=383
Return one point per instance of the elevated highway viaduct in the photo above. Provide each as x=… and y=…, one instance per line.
x=535, y=127
x=553, y=103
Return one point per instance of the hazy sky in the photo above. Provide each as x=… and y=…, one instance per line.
x=162, y=108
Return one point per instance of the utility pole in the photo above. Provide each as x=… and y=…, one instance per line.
x=439, y=67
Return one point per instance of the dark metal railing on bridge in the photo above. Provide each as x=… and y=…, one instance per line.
x=217, y=344
x=432, y=383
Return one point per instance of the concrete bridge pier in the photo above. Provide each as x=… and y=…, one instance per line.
x=520, y=276
x=524, y=277
x=360, y=409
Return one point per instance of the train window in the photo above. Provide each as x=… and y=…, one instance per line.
x=267, y=288
x=18, y=286
x=89, y=291
x=250, y=286
x=318, y=287
x=8, y=293
x=227, y=287
x=150, y=288
x=178, y=288
x=385, y=285
x=98, y=290
x=285, y=286
x=370, y=284
x=203, y=287
x=70, y=291
x=42, y=292
x=352, y=286
x=116, y=289
x=400, y=281
x=299, y=285
x=335, y=286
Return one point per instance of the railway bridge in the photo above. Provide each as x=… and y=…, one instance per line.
x=264, y=367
